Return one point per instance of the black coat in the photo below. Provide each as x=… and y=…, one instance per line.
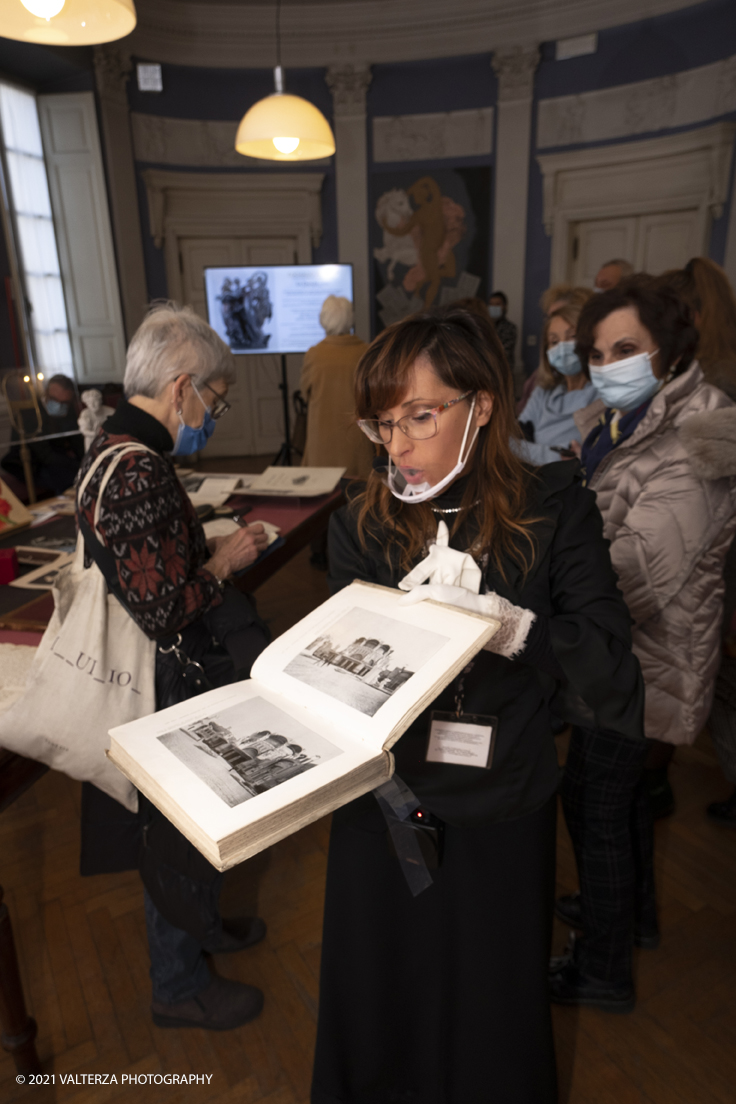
x=573, y=585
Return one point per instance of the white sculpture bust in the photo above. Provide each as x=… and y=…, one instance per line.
x=92, y=417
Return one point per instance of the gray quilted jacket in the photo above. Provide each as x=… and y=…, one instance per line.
x=668, y=500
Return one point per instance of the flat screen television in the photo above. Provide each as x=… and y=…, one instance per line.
x=272, y=308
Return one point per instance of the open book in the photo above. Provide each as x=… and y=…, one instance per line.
x=238, y=768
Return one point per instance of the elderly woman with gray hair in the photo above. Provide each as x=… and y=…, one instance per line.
x=328, y=374
x=174, y=584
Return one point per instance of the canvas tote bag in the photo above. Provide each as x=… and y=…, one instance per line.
x=94, y=669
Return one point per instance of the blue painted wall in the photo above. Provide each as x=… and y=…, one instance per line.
x=698, y=35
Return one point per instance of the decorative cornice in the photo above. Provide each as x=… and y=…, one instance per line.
x=349, y=85
x=113, y=66
x=240, y=35
x=515, y=68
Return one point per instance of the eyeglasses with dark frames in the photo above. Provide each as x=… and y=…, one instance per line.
x=417, y=426
x=220, y=406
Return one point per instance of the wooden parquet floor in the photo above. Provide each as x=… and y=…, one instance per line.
x=82, y=948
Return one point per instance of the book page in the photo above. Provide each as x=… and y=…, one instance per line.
x=234, y=755
x=295, y=482
x=363, y=662
x=210, y=490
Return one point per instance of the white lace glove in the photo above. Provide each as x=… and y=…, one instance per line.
x=444, y=565
x=516, y=622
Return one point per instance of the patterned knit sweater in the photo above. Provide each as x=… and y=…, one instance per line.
x=149, y=525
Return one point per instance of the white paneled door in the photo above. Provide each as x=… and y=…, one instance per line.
x=254, y=426
x=653, y=243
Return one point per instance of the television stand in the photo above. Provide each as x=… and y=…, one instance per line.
x=284, y=458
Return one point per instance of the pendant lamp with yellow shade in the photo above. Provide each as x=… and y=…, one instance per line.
x=283, y=127
x=66, y=22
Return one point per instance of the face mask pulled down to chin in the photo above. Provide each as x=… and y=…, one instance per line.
x=422, y=492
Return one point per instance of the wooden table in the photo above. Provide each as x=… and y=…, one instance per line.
x=299, y=519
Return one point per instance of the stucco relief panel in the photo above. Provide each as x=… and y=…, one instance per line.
x=430, y=136
x=201, y=143
x=682, y=99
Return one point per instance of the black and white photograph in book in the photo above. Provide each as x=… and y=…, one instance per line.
x=246, y=749
x=364, y=658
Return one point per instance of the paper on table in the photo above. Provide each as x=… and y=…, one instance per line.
x=44, y=577
x=213, y=490
x=224, y=527
x=295, y=482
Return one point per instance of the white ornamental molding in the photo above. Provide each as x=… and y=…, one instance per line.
x=199, y=143
x=515, y=68
x=349, y=85
x=675, y=172
x=430, y=136
x=184, y=204
x=682, y=99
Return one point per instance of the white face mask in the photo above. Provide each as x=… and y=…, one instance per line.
x=627, y=383
x=495, y=312
x=423, y=491
x=563, y=357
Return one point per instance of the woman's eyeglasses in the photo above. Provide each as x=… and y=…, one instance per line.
x=219, y=407
x=417, y=426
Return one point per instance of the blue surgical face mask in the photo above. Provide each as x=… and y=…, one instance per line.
x=57, y=409
x=564, y=359
x=495, y=312
x=189, y=439
x=627, y=383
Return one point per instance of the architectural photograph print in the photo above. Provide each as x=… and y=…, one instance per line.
x=246, y=749
x=364, y=658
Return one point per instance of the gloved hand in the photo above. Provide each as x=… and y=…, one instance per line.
x=515, y=621
x=444, y=565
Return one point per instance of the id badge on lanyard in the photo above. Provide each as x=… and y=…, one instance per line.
x=464, y=739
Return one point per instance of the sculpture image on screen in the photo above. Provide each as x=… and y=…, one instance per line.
x=272, y=308
x=244, y=308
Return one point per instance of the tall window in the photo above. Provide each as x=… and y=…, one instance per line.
x=30, y=210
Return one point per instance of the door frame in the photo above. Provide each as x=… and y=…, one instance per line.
x=217, y=205
x=677, y=172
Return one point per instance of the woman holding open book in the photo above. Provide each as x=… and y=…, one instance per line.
x=442, y=997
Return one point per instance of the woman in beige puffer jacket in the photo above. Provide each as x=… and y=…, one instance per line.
x=660, y=453
x=668, y=499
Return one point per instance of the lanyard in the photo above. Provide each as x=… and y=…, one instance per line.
x=460, y=688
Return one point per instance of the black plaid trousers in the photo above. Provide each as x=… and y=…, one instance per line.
x=609, y=819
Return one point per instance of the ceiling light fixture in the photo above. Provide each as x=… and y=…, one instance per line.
x=283, y=127
x=66, y=22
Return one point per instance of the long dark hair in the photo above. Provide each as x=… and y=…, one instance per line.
x=705, y=289
x=467, y=355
